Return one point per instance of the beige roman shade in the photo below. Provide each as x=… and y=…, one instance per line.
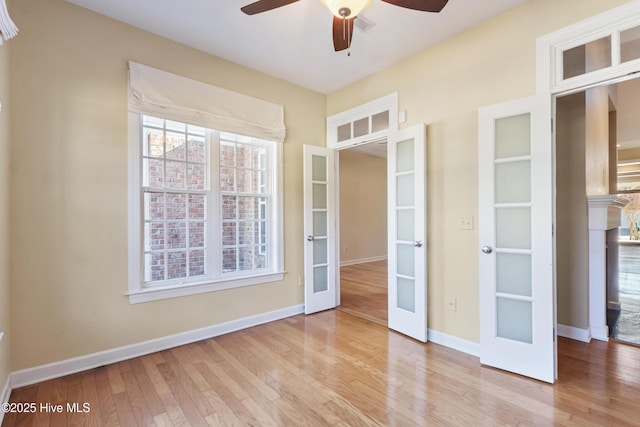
x=157, y=92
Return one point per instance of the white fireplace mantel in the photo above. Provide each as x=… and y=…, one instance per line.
x=604, y=214
x=604, y=211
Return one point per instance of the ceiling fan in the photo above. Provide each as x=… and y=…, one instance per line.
x=345, y=12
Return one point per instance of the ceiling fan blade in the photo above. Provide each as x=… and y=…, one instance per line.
x=265, y=5
x=342, y=33
x=421, y=5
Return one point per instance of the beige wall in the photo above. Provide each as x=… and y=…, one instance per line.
x=571, y=212
x=363, y=206
x=443, y=87
x=69, y=184
x=4, y=216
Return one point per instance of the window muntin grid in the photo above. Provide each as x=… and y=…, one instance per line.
x=180, y=197
x=175, y=186
x=245, y=192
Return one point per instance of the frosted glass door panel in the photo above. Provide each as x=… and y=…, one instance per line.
x=319, y=168
x=406, y=228
x=319, y=232
x=406, y=261
x=515, y=320
x=515, y=212
x=319, y=217
x=513, y=274
x=513, y=136
x=320, y=279
x=405, y=190
x=513, y=182
x=319, y=196
x=406, y=294
x=320, y=223
x=407, y=238
x=513, y=228
x=405, y=156
x=319, y=251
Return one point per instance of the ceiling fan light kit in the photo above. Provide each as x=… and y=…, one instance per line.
x=344, y=13
x=346, y=8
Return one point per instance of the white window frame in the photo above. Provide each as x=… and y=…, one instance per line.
x=139, y=291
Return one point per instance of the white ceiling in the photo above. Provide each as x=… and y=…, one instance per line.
x=294, y=42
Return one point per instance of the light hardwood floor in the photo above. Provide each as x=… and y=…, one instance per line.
x=363, y=291
x=335, y=369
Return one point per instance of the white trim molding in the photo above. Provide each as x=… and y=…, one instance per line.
x=78, y=364
x=574, y=333
x=453, y=343
x=362, y=260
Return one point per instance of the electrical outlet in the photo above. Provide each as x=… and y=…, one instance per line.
x=452, y=304
x=300, y=281
x=465, y=223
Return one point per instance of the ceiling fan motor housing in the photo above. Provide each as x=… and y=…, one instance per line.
x=345, y=12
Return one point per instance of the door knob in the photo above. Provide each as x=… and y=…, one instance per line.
x=487, y=249
x=310, y=238
x=417, y=243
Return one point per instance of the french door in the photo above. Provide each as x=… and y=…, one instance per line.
x=407, y=237
x=407, y=247
x=320, y=291
x=517, y=293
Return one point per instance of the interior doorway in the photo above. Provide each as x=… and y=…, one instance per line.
x=598, y=153
x=363, y=231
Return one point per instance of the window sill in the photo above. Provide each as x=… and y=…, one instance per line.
x=174, y=291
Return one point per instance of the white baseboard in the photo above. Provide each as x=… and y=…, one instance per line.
x=454, y=343
x=573, y=333
x=600, y=333
x=6, y=394
x=78, y=364
x=362, y=260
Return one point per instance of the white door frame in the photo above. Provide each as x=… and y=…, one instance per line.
x=386, y=103
x=549, y=79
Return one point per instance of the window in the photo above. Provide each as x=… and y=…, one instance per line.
x=205, y=187
x=209, y=206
